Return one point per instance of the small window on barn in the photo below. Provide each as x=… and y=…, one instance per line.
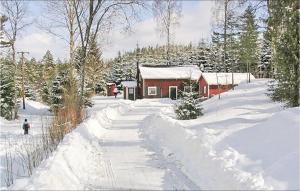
x=187, y=88
x=204, y=89
x=152, y=91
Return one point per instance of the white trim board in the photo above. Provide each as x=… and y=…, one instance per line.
x=170, y=91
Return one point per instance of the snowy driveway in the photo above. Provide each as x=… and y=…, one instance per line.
x=129, y=164
x=107, y=151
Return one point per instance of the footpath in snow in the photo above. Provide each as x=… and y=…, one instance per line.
x=14, y=145
x=244, y=141
x=107, y=152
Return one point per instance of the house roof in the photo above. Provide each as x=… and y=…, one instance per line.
x=129, y=84
x=225, y=78
x=176, y=72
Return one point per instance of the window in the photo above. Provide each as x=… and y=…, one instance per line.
x=187, y=88
x=152, y=91
x=204, y=89
x=130, y=91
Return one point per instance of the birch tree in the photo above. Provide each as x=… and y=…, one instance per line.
x=15, y=12
x=95, y=16
x=60, y=18
x=167, y=14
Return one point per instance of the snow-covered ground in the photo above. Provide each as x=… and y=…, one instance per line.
x=243, y=141
x=14, y=143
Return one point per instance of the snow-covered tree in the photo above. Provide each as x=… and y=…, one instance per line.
x=7, y=88
x=57, y=90
x=95, y=69
x=264, y=68
x=189, y=105
x=49, y=66
x=284, y=20
x=248, y=46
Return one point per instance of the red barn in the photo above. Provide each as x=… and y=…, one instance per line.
x=165, y=82
x=215, y=83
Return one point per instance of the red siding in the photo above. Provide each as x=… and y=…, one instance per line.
x=213, y=89
x=110, y=89
x=163, y=85
x=202, y=84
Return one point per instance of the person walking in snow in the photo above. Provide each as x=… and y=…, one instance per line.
x=26, y=127
x=115, y=92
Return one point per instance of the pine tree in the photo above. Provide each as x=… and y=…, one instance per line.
x=284, y=21
x=95, y=68
x=57, y=90
x=49, y=67
x=7, y=88
x=265, y=70
x=188, y=106
x=248, y=46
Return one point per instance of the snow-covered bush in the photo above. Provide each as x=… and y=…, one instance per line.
x=188, y=107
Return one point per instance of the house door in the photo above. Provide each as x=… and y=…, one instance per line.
x=131, y=93
x=173, y=92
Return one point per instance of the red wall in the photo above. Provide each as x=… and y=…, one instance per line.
x=110, y=89
x=163, y=84
x=203, y=83
x=213, y=89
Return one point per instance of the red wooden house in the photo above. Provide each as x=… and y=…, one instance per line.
x=165, y=82
x=215, y=83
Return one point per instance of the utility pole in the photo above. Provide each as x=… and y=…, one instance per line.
x=137, y=71
x=22, y=68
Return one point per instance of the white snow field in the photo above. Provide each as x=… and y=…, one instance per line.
x=243, y=141
x=14, y=144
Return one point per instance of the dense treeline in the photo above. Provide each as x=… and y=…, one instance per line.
x=241, y=41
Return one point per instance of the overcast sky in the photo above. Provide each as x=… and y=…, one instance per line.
x=194, y=25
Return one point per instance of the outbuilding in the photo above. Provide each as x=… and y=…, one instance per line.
x=129, y=89
x=110, y=89
x=165, y=81
x=215, y=83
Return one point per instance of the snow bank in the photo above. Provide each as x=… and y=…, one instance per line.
x=80, y=149
x=201, y=163
x=243, y=141
x=274, y=146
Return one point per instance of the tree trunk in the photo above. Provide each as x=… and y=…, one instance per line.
x=15, y=112
x=225, y=32
x=296, y=98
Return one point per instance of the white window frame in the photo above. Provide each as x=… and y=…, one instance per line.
x=170, y=91
x=152, y=87
x=204, y=90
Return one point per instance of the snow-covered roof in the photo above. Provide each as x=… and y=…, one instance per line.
x=129, y=84
x=225, y=78
x=177, y=72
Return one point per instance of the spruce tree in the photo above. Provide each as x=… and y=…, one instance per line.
x=49, y=66
x=248, y=47
x=284, y=28
x=95, y=68
x=189, y=105
x=265, y=69
x=7, y=88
